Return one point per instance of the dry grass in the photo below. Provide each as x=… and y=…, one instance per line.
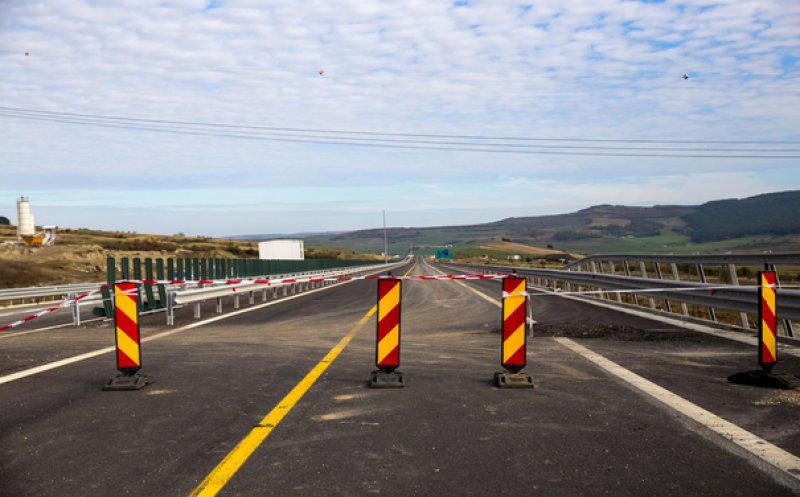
x=79, y=255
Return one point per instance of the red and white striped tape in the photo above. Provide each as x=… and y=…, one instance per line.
x=41, y=313
x=257, y=281
x=286, y=281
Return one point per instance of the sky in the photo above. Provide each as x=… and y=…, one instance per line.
x=256, y=116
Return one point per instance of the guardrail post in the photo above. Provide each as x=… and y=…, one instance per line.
x=676, y=277
x=660, y=277
x=617, y=295
x=197, y=310
x=170, y=308
x=252, y=298
x=712, y=316
x=735, y=281
x=219, y=305
x=235, y=300
x=643, y=270
x=76, y=309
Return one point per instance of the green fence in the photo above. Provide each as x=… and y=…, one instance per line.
x=193, y=269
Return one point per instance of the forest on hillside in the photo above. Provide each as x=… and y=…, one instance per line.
x=775, y=214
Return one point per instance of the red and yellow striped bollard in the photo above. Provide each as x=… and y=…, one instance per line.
x=513, y=349
x=767, y=322
x=767, y=340
x=387, y=342
x=126, y=324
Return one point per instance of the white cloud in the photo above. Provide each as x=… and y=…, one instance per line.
x=578, y=69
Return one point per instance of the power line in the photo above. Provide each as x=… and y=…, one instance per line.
x=408, y=141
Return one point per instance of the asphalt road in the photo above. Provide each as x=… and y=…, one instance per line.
x=450, y=431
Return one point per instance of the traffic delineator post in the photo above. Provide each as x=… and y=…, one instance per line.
x=387, y=339
x=128, y=344
x=767, y=322
x=513, y=347
x=767, y=340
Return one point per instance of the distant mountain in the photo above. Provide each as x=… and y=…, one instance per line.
x=275, y=236
x=597, y=228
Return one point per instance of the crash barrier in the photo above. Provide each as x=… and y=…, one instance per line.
x=206, y=289
x=674, y=296
x=217, y=289
x=37, y=294
x=728, y=269
x=155, y=296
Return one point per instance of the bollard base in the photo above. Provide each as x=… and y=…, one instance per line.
x=126, y=382
x=759, y=378
x=504, y=379
x=383, y=379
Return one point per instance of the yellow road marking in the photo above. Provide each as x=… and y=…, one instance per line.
x=225, y=470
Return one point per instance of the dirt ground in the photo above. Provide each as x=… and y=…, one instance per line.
x=23, y=266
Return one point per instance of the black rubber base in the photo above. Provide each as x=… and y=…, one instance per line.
x=382, y=379
x=127, y=382
x=761, y=378
x=505, y=379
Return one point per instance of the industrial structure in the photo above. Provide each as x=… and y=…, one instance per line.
x=26, y=227
x=282, y=250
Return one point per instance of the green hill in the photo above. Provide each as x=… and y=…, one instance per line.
x=764, y=222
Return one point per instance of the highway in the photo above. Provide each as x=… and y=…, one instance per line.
x=273, y=399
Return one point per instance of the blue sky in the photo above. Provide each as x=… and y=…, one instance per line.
x=551, y=70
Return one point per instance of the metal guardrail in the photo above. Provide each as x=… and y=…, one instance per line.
x=765, y=259
x=712, y=296
x=182, y=296
x=31, y=293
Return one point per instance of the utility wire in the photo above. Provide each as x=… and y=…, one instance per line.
x=430, y=141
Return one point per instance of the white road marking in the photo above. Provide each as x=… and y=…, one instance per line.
x=787, y=463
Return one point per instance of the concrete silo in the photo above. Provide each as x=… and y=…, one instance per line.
x=25, y=225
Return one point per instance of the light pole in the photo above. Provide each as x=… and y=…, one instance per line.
x=385, y=245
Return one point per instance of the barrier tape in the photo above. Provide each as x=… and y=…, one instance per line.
x=62, y=305
x=285, y=281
